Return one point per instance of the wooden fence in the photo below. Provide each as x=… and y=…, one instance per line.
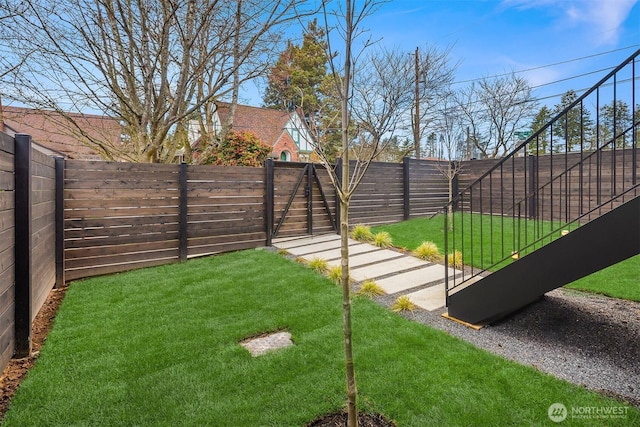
x=27, y=240
x=90, y=218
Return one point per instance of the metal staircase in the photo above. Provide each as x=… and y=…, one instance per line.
x=564, y=204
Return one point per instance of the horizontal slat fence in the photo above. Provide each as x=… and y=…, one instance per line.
x=225, y=209
x=380, y=197
x=43, y=228
x=7, y=246
x=119, y=216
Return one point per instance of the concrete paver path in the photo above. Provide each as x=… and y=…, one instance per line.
x=394, y=272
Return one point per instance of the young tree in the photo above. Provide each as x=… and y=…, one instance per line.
x=349, y=18
x=494, y=109
x=150, y=64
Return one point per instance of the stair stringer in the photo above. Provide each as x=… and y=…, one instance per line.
x=602, y=242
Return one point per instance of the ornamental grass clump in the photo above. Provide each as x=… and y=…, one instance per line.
x=455, y=259
x=382, y=239
x=362, y=233
x=318, y=264
x=428, y=251
x=370, y=289
x=403, y=303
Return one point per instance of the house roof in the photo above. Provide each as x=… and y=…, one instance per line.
x=48, y=128
x=266, y=123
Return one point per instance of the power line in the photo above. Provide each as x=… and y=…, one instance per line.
x=549, y=65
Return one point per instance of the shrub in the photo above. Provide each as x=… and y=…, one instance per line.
x=362, y=233
x=318, y=264
x=370, y=289
x=455, y=259
x=403, y=303
x=382, y=239
x=236, y=149
x=335, y=273
x=428, y=251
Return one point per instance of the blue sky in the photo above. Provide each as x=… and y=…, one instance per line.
x=493, y=37
x=490, y=37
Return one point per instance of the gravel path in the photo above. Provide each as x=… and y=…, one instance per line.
x=587, y=339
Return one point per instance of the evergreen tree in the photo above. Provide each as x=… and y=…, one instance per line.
x=574, y=127
x=541, y=144
x=615, y=120
x=300, y=80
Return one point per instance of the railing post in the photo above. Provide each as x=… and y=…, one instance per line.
x=60, y=277
x=533, y=186
x=406, y=186
x=338, y=185
x=183, y=250
x=269, y=199
x=455, y=186
x=23, y=246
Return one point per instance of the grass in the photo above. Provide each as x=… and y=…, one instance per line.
x=159, y=347
x=403, y=303
x=619, y=281
x=428, y=251
x=370, y=289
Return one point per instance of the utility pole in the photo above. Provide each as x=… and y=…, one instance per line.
x=416, y=119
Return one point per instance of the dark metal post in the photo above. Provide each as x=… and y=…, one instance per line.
x=455, y=188
x=338, y=185
x=406, y=186
x=183, y=220
x=60, y=279
x=269, y=199
x=23, y=244
x=309, y=198
x=533, y=186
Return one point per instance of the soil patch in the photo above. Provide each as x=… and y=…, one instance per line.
x=340, y=420
x=17, y=369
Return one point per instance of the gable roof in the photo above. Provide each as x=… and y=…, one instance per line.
x=266, y=123
x=48, y=128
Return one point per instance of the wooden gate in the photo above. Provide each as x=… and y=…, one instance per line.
x=301, y=200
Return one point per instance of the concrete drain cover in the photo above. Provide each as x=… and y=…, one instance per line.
x=260, y=345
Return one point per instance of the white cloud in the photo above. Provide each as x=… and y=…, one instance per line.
x=605, y=17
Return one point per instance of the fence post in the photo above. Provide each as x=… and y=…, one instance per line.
x=407, y=195
x=533, y=186
x=183, y=243
x=338, y=185
x=23, y=246
x=269, y=202
x=60, y=278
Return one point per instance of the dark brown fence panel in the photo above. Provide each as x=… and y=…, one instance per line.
x=225, y=209
x=7, y=255
x=119, y=216
x=380, y=196
x=324, y=215
x=43, y=192
x=428, y=187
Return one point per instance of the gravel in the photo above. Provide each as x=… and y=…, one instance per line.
x=589, y=340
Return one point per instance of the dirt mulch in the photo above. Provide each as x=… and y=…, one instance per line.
x=17, y=369
x=340, y=420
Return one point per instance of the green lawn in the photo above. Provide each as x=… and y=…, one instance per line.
x=159, y=347
x=620, y=280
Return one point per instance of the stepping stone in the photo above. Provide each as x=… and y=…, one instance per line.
x=334, y=254
x=314, y=247
x=380, y=255
x=388, y=267
x=430, y=298
x=288, y=242
x=412, y=279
